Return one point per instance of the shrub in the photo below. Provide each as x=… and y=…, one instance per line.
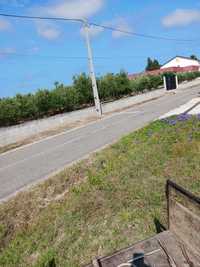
x=108, y=87
x=27, y=106
x=43, y=102
x=10, y=112
x=155, y=81
x=143, y=83
x=68, y=98
x=122, y=84
x=83, y=86
x=188, y=76
x=62, y=99
x=114, y=86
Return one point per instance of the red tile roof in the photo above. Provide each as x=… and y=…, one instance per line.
x=161, y=71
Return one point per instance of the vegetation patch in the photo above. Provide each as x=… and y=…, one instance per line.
x=104, y=203
x=45, y=103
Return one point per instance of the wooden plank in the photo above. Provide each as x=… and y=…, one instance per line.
x=185, y=224
x=151, y=247
x=158, y=256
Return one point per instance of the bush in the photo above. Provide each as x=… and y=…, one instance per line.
x=43, y=102
x=114, y=86
x=83, y=86
x=10, y=112
x=68, y=98
x=155, y=81
x=188, y=76
x=108, y=87
x=62, y=99
x=122, y=84
x=27, y=106
x=146, y=83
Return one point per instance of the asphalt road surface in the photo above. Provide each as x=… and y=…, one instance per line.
x=27, y=165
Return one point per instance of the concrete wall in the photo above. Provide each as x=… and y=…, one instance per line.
x=13, y=134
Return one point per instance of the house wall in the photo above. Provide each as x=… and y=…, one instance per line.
x=181, y=62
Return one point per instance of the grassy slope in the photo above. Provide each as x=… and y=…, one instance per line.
x=120, y=192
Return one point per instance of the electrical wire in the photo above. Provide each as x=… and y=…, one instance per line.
x=70, y=57
x=155, y=37
x=40, y=18
x=141, y=34
x=41, y=56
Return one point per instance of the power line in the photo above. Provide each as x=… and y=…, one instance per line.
x=53, y=57
x=155, y=37
x=40, y=18
x=49, y=56
x=41, y=56
x=141, y=34
x=70, y=57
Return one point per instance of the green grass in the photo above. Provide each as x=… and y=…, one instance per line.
x=109, y=202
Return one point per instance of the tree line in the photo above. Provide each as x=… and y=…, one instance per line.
x=45, y=103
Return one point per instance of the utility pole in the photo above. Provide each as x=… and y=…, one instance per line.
x=86, y=27
x=91, y=68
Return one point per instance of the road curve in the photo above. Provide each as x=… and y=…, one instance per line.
x=29, y=164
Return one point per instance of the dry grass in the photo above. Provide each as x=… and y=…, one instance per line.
x=101, y=204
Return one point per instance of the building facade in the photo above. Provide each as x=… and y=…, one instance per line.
x=181, y=62
x=177, y=64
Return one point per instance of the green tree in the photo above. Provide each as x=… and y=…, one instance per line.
x=43, y=102
x=107, y=87
x=27, y=106
x=63, y=98
x=83, y=86
x=152, y=64
x=10, y=112
x=123, y=83
x=194, y=57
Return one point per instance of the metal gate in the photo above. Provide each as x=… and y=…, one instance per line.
x=170, y=81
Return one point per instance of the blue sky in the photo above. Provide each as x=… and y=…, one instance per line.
x=35, y=54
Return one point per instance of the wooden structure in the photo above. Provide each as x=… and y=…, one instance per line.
x=179, y=246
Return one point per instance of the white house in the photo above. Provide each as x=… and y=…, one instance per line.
x=181, y=62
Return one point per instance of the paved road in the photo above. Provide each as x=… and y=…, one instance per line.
x=32, y=163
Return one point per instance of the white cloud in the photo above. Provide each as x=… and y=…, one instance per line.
x=181, y=17
x=93, y=30
x=4, y=25
x=67, y=9
x=123, y=26
x=48, y=30
x=119, y=23
x=72, y=8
